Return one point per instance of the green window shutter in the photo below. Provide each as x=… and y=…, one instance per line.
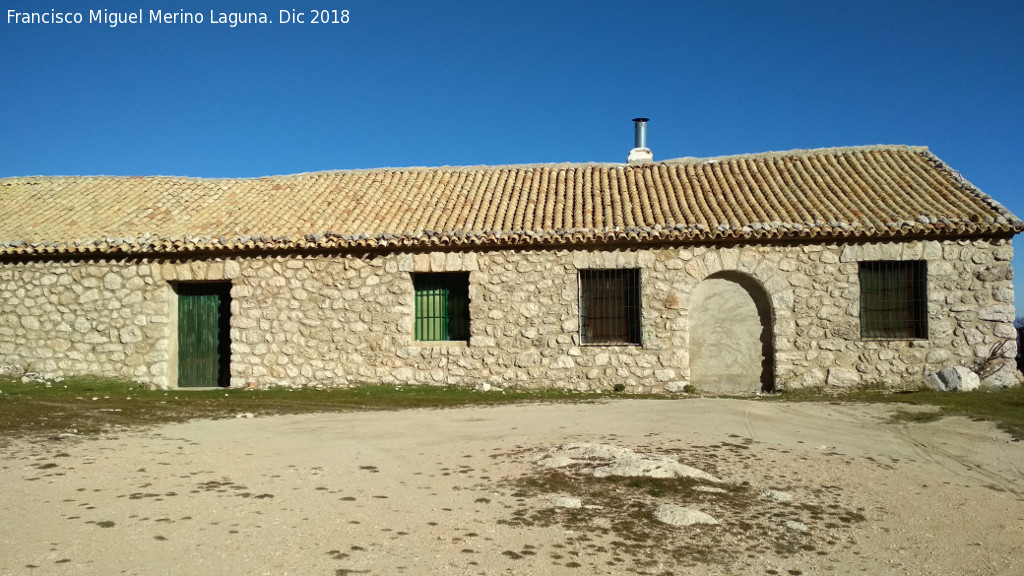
x=431, y=311
x=441, y=307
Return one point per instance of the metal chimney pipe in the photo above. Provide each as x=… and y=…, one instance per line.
x=640, y=132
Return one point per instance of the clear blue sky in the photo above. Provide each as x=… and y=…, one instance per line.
x=479, y=82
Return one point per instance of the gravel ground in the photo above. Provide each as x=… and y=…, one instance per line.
x=804, y=488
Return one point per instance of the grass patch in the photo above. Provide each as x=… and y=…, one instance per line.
x=89, y=404
x=1004, y=407
x=917, y=416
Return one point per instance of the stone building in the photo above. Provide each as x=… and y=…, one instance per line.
x=842, y=267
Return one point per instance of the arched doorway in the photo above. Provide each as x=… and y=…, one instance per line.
x=731, y=344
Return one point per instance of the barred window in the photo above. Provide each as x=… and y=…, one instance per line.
x=894, y=300
x=610, y=306
x=442, y=307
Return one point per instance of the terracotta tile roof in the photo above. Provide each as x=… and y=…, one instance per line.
x=827, y=194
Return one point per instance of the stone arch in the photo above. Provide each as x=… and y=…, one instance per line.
x=732, y=346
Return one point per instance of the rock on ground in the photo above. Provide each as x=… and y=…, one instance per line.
x=955, y=378
x=605, y=460
x=679, y=516
x=566, y=502
x=777, y=495
x=797, y=526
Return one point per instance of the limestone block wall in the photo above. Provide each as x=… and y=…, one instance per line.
x=338, y=320
x=103, y=317
x=970, y=315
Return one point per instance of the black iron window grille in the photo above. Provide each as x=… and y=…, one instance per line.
x=442, y=307
x=894, y=300
x=610, y=306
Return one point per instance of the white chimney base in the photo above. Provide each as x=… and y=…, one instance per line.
x=640, y=155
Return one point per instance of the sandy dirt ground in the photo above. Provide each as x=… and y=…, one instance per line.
x=806, y=488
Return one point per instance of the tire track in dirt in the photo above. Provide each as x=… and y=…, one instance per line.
x=961, y=459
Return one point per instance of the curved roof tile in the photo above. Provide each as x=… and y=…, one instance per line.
x=829, y=194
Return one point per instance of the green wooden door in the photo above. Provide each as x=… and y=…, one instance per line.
x=202, y=335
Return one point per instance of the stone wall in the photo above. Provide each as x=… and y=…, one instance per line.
x=970, y=315
x=61, y=318
x=337, y=320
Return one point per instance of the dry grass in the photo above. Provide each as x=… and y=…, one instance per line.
x=89, y=404
x=1003, y=406
x=617, y=518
